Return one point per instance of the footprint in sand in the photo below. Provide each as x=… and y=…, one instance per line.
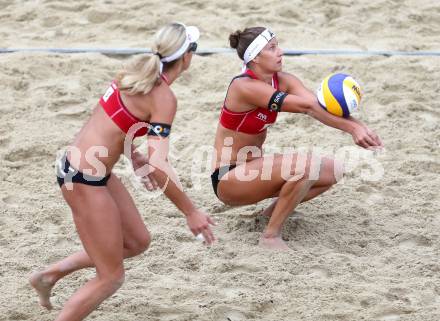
x=78, y=114
x=388, y=99
x=64, y=105
x=394, y=315
x=27, y=16
x=319, y=272
x=228, y=267
x=11, y=200
x=368, y=302
x=372, y=196
x=235, y=316
x=332, y=13
x=14, y=315
x=24, y=154
x=224, y=313
x=69, y=7
x=415, y=168
x=429, y=117
x=169, y=313
x=4, y=141
x=234, y=292
x=398, y=294
x=198, y=5
x=99, y=16
x=184, y=237
x=414, y=241
x=51, y=21
x=69, y=109
x=365, y=189
x=217, y=208
x=389, y=317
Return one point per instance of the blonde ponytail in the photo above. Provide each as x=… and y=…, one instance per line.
x=140, y=76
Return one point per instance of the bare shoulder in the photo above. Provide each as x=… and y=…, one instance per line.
x=243, y=82
x=164, y=103
x=163, y=95
x=248, y=86
x=288, y=78
x=293, y=85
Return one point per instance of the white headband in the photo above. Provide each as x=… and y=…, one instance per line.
x=192, y=35
x=257, y=45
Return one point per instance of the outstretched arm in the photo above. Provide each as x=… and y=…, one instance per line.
x=164, y=174
x=167, y=179
x=302, y=100
x=362, y=135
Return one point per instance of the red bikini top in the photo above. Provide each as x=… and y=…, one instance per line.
x=253, y=121
x=112, y=103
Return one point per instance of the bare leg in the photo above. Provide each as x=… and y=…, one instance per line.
x=233, y=190
x=98, y=223
x=136, y=240
x=43, y=286
x=44, y=281
x=291, y=194
x=268, y=211
x=313, y=192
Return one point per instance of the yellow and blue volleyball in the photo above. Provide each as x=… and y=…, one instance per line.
x=339, y=94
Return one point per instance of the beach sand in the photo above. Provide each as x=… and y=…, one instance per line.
x=368, y=249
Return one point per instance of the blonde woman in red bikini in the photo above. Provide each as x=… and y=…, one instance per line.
x=106, y=218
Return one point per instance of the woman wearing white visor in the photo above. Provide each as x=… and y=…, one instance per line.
x=242, y=174
x=108, y=223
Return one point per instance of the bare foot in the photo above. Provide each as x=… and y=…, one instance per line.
x=268, y=211
x=43, y=287
x=273, y=243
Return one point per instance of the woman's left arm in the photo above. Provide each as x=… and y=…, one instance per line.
x=362, y=135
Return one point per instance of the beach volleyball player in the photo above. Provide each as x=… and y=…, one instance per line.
x=242, y=174
x=106, y=218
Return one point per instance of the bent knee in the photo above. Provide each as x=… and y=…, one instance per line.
x=138, y=244
x=110, y=283
x=143, y=242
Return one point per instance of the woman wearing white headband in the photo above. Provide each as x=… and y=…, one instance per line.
x=242, y=175
x=139, y=102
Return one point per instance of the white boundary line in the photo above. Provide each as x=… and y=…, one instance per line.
x=209, y=51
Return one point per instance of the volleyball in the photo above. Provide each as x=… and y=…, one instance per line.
x=339, y=94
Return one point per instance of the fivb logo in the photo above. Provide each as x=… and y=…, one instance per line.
x=262, y=116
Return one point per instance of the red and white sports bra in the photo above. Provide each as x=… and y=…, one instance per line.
x=112, y=103
x=253, y=121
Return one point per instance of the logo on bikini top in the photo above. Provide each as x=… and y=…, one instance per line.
x=108, y=93
x=262, y=116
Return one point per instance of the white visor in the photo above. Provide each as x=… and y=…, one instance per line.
x=257, y=45
x=192, y=35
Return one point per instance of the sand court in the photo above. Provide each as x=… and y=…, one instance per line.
x=368, y=249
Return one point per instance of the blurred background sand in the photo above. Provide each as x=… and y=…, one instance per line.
x=365, y=250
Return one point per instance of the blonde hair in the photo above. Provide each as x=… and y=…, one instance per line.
x=141, y=75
